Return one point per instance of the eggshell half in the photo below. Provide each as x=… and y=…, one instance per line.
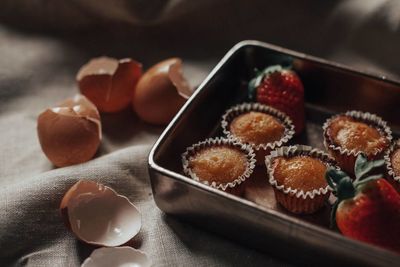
x=109, y=83
x=161, y=92
x=97, y=215
x=70, y=133
x=81, y=187
x=117, y=257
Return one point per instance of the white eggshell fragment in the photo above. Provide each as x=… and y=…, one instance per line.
x=117, y=257
x=98, y=215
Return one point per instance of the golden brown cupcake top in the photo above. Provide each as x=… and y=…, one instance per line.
x=300, y=172
x=351, y=134
x=395, y=159
x=221, y=164
x=257, y=128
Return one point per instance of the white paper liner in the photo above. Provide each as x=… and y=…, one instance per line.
x=388, y=161
x=366, y=117
x=246, y=149
x=298, y=150
x=237, y=110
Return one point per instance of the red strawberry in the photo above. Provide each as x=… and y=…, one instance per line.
x=368, y=208
x=282, y=89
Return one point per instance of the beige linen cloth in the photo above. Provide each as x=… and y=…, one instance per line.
x=43, y=44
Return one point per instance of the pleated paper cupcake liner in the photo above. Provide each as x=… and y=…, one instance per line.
x=391, y=175
x=212, y=142
x=294, y=199
x=346, y=158
x=261, y=150
x=300, y=206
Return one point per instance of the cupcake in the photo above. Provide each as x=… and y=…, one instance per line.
x=262, y=127
x=392, y=162
x=297, y=175
x=220, y=163
x=354, y=132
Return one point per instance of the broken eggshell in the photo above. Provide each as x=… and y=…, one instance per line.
x=97, y=215
x=161, y=92
x=70, y=133
x=109, y=83
x=117, y=257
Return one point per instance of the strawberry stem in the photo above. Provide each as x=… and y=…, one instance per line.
x=343, y=188
x=333, y=215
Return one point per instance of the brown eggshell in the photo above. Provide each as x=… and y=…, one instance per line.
x=71, y=132
x=161, y=92
x=109, y=83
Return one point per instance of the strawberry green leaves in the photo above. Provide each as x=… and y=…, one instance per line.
x=363, y=166
x=334, y=176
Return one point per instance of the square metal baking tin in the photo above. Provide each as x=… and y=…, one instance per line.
x=329, y=88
